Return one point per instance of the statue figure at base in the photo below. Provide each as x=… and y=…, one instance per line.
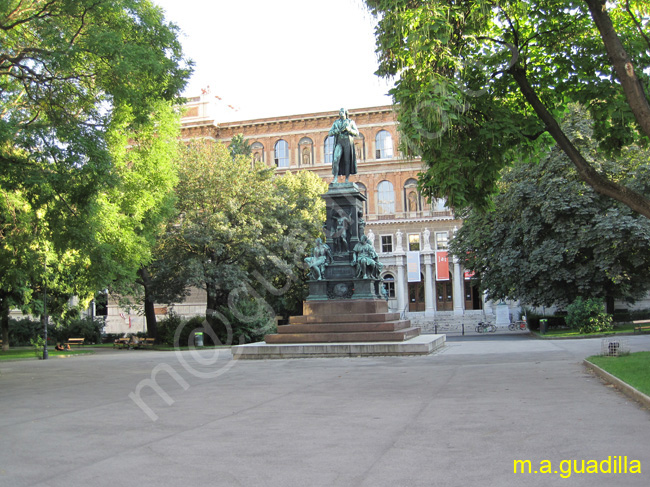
x=341, y=234
x=344, y=160
x=365, y=261
x=321, y=258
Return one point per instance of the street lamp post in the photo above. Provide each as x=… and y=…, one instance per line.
x=45, y=313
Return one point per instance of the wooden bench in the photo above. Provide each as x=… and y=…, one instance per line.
x=641, y=326
x=142, y=342
x=75, y=341
x=147, y=342
x=121, y=343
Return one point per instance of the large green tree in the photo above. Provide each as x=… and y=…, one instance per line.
x=480, y=83
x=552, y=238
x=75, y=76
x=242, y=232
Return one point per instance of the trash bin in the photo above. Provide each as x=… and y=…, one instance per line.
x=198, y=339
x=543, y=326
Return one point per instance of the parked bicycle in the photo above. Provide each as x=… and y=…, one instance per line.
x=485, y=327
x=518, y=325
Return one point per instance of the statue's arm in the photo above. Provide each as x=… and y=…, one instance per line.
x=352, y=129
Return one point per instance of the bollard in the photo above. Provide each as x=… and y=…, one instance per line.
x=462, y=325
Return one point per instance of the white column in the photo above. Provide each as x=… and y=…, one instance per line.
x=401, y=286
x=429, y=298
x=459, y=291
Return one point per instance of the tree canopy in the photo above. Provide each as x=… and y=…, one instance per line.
x=552, y=238
x=241, y=233
x=481, y=83
x=82, y=81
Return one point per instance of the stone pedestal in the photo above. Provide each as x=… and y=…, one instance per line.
x=350, y=320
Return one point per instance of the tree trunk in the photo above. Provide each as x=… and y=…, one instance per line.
x=149, y=310
x=622, y=63
x=4, y=321
x=587, y=173
x=214, y=300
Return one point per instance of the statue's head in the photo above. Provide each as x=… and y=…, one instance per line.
x=318, y=241
x=363, y=239
x=343, y=113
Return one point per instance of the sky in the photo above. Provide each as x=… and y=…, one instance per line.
x=268, y=58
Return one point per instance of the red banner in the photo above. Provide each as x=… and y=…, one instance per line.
x=468, y=275
x=442, y=266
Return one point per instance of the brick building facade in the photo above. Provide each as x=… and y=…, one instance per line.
x=409, y=234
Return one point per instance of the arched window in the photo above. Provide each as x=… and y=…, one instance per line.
x=329, y=149
x=389, y=285
x=385, y=198
x=383, y=145
x=412, y=200
x=257, y=150
x=306, y=151
x=281, y=153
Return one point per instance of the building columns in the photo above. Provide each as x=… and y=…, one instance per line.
x=401, y=286
x=429, y=298
x=458, y=288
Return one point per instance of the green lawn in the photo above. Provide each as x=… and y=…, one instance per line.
x=25, y=353
x=633, y=368
x=559, y=333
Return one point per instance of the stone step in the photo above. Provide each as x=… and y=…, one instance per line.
x=380, y=336
x=392, y=325
x=344, y=318
x=420, y=345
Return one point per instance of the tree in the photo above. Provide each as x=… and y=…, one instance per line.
x=481, y=84
x=552, y=238
x=242, y=232
x=73, y=75
x=239, y=146
x=135, y=212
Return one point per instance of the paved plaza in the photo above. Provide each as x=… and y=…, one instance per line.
x=459, y=417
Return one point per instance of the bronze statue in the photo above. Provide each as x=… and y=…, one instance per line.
x=341, y=234
x=344, y=161
x=365, y=260
x=321, y=258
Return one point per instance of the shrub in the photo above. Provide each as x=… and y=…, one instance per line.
x=86, y=328
x=248, y=321
x=167, y=329
x=23, y=331
x=588, y=316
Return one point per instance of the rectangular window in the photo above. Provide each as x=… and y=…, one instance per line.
x=414, y=242
x=442, y=239
x=386, y=244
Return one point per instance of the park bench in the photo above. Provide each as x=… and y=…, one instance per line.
x=144, y=343
x=75, y=341
x=121, y=343
x=641, y=326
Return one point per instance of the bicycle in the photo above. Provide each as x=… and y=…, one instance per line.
x=485, y=327
x=518, y=325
